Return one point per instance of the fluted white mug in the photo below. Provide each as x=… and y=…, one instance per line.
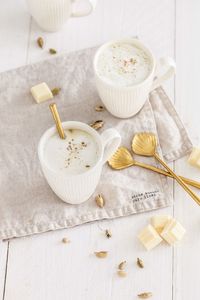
x=52, y=14
x=77, y=188
x=125, y=102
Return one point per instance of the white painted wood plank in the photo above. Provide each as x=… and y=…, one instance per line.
x=3, y=265
x=41, y=267
x=187, y=263
x=14, y=33
x=152, y=21
x=79, y=33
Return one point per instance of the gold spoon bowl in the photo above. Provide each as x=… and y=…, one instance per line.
x=121, y=159
x=144, y=144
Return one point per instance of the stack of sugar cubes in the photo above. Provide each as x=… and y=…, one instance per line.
x=161, y=228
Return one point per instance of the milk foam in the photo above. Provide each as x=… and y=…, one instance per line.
x=74, y=155
x=123, y=64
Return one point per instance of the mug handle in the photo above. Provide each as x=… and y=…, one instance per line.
x=111, y=140
x=170, y=64
x=92, y=4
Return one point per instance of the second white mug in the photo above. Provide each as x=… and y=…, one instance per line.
x=126, y=101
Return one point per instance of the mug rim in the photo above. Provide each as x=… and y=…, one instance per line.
x=130, y=40
x=73, y=125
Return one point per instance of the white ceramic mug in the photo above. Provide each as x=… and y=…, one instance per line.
x=52, y=14
x=125, y=102
x=77, y=188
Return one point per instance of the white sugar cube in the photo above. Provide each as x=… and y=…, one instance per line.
x=194, y=158
x=159, y=222
x=41, y=92
x=173, y=232
x=149, y=237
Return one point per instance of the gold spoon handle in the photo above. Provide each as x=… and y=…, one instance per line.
x=58, y=123
x=178, y=179
x=163, y=172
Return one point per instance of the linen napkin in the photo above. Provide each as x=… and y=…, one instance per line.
x=27, y=203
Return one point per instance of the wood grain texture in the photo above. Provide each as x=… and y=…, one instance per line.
x=3, y=266
x=187, y=262
x=14, y=34
x=42, y=267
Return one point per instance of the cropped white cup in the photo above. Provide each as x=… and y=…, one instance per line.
x=51, y=15
x=77, y=188
x=125, y=102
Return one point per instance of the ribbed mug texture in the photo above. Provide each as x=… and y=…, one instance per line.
x=50, y=14
x=123, y=103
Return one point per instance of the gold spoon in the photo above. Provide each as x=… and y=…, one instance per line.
x=57, y=120
x=145, y=144
x=123, y=159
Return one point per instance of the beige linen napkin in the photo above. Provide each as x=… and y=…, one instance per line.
x=27, y=204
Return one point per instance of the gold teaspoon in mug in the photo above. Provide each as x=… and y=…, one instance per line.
x=56, y=117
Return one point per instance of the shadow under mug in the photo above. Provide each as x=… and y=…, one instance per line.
x=77, y=188
x=126, y=101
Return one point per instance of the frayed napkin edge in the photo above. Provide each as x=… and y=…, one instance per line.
x=187, y=144
x=98, y=215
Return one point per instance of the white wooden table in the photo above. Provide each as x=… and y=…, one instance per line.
x=41, y=267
